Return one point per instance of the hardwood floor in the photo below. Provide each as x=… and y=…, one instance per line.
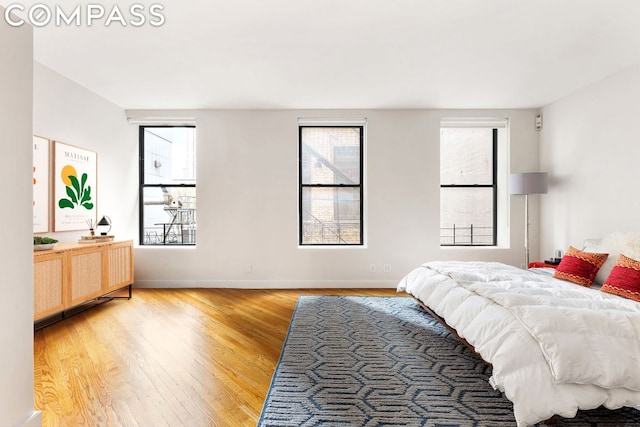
x=167, y=357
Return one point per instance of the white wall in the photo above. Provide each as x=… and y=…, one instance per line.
x=247, y=191
x=69, y=113
x=591, y=148
x=16, y=255
x=247, y=202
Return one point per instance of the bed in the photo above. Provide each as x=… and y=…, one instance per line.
x=555, y=346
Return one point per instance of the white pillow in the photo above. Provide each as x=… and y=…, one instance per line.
x=591, y=245
x=614, y=244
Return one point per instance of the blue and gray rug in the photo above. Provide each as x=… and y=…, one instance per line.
x=383, y=361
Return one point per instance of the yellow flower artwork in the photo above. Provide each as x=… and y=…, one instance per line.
x=78, y=192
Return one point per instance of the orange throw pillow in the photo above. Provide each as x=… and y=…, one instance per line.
x=579, y=267
x=624, y=279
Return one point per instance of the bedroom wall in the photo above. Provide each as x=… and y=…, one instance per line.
x=247, y=191
x=67, y=112
x=589, y=145
x=247, y=202
x=16, y=260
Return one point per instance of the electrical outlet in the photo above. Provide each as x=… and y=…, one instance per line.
x=387, y=268
x=372, y=268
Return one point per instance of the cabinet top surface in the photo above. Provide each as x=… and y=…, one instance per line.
x=66, y=246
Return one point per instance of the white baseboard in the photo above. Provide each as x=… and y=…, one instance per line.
x=268, y=284
x=35, y=420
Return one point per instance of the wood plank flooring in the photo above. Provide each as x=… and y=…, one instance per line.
x=167, y=357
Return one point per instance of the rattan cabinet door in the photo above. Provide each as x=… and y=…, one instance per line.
x=86, y=274
x=120, y=265
x=48, y=284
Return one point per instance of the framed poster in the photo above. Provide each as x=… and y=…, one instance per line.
x=41, y=190
x=75, y=176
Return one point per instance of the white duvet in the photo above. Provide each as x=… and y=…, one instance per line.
x=555, y=346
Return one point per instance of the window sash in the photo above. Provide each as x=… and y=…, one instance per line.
x=176, y=226
x=480, y=237
x=168, y=224
x=475, y=166
x=335, y=218
x=331, y=226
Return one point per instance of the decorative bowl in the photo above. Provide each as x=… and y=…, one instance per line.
x=44, y=247
x=43, y=243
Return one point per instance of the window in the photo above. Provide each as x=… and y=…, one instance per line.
x=468, y=184
x=330, y=177
x=167, y=185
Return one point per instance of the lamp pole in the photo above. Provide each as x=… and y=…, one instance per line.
x=525, y=184
x=526, y=231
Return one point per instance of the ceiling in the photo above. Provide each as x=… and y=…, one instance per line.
x=344, y=53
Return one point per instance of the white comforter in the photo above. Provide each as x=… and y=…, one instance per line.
x=555, y=347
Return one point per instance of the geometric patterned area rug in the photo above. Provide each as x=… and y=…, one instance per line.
x=383, y=361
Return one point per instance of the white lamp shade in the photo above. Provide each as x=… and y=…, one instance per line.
x=528, y=183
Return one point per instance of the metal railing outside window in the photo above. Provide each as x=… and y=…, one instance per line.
x=466, y=236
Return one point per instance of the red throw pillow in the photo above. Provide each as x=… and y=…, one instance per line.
x=624, y=279
x=579, y=267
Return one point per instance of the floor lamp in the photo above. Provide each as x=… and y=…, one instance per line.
x=527, y=183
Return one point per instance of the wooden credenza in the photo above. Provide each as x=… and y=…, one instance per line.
x=73, y=273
